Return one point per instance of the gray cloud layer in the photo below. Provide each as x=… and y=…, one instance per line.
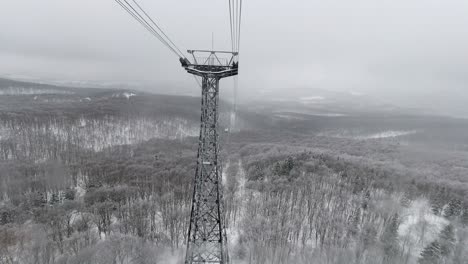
x=407, y=52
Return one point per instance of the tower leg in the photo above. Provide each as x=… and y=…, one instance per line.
x=206, y=235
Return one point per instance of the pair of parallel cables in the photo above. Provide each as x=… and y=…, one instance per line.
x=141, y=16
x=235, y=21
x=235, y=18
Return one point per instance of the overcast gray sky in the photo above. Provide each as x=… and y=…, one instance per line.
x=409, y=52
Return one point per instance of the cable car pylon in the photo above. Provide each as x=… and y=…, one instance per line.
x=207, y=242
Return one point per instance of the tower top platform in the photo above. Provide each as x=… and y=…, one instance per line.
x=209, y=63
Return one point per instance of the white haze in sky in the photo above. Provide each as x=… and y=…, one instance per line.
x=411, y=53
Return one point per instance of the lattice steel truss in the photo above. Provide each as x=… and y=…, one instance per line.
x=207, y=241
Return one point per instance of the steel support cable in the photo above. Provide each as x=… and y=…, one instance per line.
x=235, y=9
x=151, y=27
x=145, y=24
x=233, y=19
x=137, y=19
x=198, y=81
x=160, y=29
x=237, y=23
x=235, y=12
x=240, y=23
x=230, y=22
x=234, y=98
x=238, y=19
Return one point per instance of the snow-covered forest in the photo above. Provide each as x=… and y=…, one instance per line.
x=95, y=176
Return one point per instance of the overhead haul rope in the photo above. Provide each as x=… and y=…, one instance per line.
x=154, y=23
x=235, y=19
x=231, y=23
x=150, y=25
x=239, y=28
x=237, y=24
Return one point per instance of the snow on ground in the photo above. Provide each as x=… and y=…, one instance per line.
x=128, y=95
x=388, y=134
x=175, y=257
x=75, y=217
x=289, y=117
x=419, y=226
x=80, y=188
x=378, y=135
x=32, y=91
x=293, y=115
x=328, y=114
x=233, y=231
x=224, y=173
x=312, y=98
x=124, y=94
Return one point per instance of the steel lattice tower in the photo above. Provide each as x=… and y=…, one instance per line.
x=207, y=242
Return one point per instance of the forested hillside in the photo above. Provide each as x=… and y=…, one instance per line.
x=105, y=176
x=300, y=205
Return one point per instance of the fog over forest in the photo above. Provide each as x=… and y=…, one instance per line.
x=342, y=137
x=406, y=53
